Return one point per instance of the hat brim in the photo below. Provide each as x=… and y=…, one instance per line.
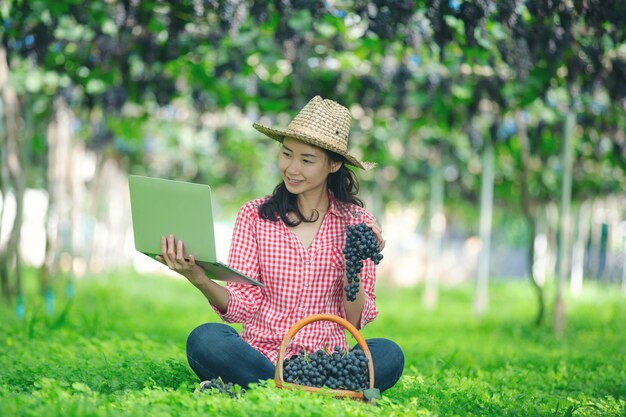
x=279, y=135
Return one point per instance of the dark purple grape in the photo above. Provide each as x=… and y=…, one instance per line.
x=216, y=385
x=361, y=244
x=336, y=369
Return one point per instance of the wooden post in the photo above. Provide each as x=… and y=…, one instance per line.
x=435, y=235
x=565, y=220
x=481, y=299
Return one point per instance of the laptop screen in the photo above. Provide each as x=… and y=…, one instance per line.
x=162, y=207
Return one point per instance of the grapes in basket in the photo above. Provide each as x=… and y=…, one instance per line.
x=361, y=244
x=219, y=386
x=336, y=370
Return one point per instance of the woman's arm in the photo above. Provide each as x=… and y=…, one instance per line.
x=354, y=309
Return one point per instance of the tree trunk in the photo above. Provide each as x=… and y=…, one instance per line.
x=5, y=290
x=92, y=204
x=537, y=285
x=435, y=236
x=564, y=241
x=624, y=266
x=622, y=247
x=10, y=257
x=593, y=242
x=578, y=252
x=529, y=214
x=59, y=202
x=481, y=299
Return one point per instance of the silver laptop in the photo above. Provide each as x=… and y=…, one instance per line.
x=163, y=207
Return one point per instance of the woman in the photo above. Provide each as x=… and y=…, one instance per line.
x=291, y=241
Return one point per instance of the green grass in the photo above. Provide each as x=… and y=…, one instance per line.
x=118, y=350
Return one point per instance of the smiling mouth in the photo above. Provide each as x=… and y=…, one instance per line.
x=294, y=182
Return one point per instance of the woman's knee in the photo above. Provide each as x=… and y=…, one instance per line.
x=387, y=355
x=388, y=346
x=207, y=334
x=395, y=351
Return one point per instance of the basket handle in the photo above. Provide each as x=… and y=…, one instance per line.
x=278, y=372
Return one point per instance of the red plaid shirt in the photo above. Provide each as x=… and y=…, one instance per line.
x=298, y=282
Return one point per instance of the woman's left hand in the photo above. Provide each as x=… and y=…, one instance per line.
x=379, y=234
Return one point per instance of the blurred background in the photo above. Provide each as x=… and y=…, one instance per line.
x=499, y=129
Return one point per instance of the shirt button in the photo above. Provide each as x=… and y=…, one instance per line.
x=306, y=285
x=308, y=262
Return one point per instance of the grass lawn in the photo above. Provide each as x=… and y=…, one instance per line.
x=118, y=350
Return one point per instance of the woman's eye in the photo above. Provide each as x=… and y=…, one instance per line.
x=286, y=154
x=306, y=161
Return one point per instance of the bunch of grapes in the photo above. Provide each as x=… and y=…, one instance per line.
x=361, y=243
x=217, y=385
x=335, y=370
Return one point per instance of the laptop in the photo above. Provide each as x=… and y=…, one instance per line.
x=162, y=207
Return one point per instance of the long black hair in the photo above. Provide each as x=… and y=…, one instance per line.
x=343, y=184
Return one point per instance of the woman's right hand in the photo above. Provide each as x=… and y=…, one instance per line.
x=173, y=256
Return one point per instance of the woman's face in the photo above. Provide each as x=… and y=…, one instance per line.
x=304, y=167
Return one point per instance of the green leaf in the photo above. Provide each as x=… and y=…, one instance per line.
x=301, y=21
x=372, y=394
x=461, y=92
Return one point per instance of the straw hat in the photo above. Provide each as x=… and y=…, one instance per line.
x=323, y=123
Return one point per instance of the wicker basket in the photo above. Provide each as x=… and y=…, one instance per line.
x=278, y=373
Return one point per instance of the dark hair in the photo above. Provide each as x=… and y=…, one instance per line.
x=343, y=184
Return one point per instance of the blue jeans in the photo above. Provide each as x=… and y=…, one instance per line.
x=216, y=349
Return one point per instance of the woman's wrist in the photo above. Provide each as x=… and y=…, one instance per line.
x=197, y=277
x=215, y=293
x=354, y=309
